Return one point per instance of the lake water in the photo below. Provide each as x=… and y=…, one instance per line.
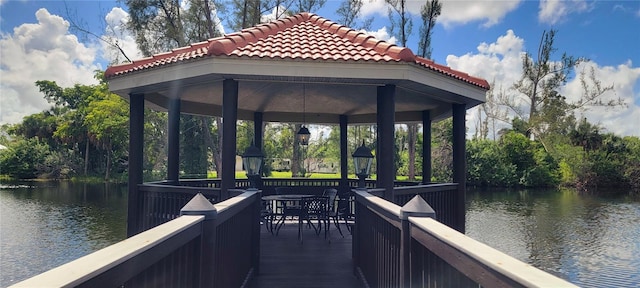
x=591, y=241
x=44, y=225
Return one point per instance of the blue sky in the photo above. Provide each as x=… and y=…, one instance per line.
x=482, y=38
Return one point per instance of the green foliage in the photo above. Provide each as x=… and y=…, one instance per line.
x=60, y=164
x=514, y=160
x=442, y=151
x=487, y=165
x=518, y=150
x=23, y=158
x=193, y=152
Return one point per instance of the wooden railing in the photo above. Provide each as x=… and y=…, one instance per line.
x=159, y=202
x=208, y=246
x=440, y=196
x=404, y=247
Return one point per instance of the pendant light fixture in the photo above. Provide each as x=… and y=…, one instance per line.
x=303, y=134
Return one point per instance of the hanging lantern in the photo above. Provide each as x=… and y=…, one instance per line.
x=303, y=135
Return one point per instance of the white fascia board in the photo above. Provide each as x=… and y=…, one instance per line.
x=217, y=68
x=440, y=81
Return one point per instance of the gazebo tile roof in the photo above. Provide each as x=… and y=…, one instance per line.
x=303, y=36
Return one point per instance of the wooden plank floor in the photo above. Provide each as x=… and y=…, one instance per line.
x=316, y=262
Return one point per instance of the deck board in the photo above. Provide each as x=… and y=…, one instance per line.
x=316, y=262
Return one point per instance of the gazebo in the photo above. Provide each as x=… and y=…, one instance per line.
x=259, y=74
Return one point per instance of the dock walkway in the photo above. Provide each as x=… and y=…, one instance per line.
x=316, y=262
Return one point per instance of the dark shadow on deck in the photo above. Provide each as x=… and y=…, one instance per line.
x=317, y=262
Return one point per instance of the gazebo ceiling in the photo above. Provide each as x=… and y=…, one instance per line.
x=303, y=59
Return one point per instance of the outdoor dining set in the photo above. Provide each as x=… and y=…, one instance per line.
x=315, y=211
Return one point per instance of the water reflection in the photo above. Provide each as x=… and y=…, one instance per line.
x=589, y=240
x=45, y=225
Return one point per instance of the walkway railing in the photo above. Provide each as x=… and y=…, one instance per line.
x=160, y=202
x=208, y=246
x=403, y=247
x=440, y=196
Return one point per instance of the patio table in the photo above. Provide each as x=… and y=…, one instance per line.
x=287, y=200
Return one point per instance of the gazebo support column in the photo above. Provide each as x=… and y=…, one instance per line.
x=384, y=151
x=426, y=147
x=258, y=133
x=173, y=153
x=229, y=119
x=136, y=148
x=344, y=167
x=459, y=164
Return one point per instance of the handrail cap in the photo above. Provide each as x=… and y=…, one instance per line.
x=417, y=207
x=199, y=205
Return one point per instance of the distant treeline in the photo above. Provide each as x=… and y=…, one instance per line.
x=85, y=133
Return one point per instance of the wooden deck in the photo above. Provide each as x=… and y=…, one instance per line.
x=316, y=262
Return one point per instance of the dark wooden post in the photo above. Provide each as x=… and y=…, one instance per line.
x=258, y=133
x=229, y=119
x=173, y=153
x=255, y=234
x=344, y=166
x=136, y=150
x=426, y=147
x=199, y=205
x=384, y=152
x=459, y=164
x=416, y=207
x=257, y=129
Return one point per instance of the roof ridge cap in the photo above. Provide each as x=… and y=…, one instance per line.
x=362, y=38
x=226, y=44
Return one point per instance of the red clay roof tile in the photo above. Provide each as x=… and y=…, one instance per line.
x=302, y=36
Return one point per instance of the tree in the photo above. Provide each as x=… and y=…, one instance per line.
x=348, y=13
x=487, y=164
x=400, y=20
x=428, y=13
x=310, y=5
x=22, y=158
x=107, y=123
x=162, y=25
x=539, y=88
x=586, y=136
x=543, y=75
x=245, y=13
x=71, y=104
x=442, y=151
x=490, y=113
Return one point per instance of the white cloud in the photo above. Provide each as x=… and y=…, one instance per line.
x=40, y=51
x=555, y=11
x=382, y=34
x=373, y=7
x=454, y=12
x=277, y=13
x=623, y=78
x=465, y=11
x=500, y=63
x=116, y=33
